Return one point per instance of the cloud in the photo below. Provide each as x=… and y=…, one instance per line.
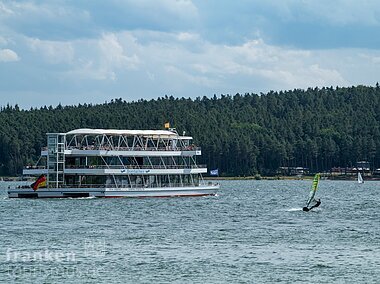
x=342, y=12
x=53, y=52
x=175, y=8
x=306, y=24
x=44, y=20
x=95, y=51
x=3, y=41
x=4, y=10
x=113, y=53
x=60, y=20
x=149, y=64
x=284, y=67
x=102, y=58
x=159, y=15
x=186, y=36
x=8, y=55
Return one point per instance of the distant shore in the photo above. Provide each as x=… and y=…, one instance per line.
x=260, y=178
x=256, y=177
x=291, y=178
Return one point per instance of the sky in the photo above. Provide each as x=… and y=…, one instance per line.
x=87, y=51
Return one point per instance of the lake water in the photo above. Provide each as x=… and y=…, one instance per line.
x=252, y=232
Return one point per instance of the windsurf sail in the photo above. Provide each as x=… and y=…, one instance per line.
x=313, y=189
x=360, y=178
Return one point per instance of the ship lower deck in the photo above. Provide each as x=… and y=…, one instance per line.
x=104, y=192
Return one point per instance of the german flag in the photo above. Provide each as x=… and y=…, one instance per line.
x=40, y=182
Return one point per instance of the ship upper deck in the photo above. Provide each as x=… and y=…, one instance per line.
x=154, y=134
x=86, y=138
x=114, y=142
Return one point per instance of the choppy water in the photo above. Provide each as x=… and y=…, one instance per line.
x=253, y=232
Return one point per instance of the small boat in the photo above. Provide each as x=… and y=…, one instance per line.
x=360, y=178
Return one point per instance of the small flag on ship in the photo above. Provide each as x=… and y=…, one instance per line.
x=214, y=172
x=167, y=125
x=40, y=182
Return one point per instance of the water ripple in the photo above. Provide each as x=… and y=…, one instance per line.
x=252, y=232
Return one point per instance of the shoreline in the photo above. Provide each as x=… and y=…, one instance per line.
x=257, y=177
x=351, y=178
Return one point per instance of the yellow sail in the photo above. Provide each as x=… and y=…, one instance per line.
x=314, y=188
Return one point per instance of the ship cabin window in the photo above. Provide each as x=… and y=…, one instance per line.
x=52, y=177
x=61, y=148
x=60, y=167
x=61, y=138
x=93, y=180
x=140, y=161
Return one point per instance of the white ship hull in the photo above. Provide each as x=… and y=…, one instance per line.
x=113, y=192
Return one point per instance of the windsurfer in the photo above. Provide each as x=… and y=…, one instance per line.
x=312, y=194
x=318, y=202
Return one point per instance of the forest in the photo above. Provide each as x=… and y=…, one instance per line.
x=241, y=135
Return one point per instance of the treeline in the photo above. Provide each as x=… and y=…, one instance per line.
x=241, y=134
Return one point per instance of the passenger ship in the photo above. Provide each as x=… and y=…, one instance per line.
x=117, y=163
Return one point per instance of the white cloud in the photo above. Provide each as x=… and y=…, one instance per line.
x=8, y=55
x=166, y=9
x=53, y=52
x=337, y=12
x=279, y=66
x=102, y=58
x=113, y=54
x=5, y=10
x=344, y=12
x=186, y=36
x=3, y=41
x=374, y=59
x=188, y=77
x=147, y=61
x=174, y=66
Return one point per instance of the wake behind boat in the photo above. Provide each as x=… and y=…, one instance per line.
x=117, y=163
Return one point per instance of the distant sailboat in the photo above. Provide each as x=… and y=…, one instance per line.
x=360, y=178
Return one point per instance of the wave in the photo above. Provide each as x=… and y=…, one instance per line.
x=294, y=209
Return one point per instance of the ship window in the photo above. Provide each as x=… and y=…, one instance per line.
x=52, y=159
x=60, y=167
x=52, y=177
x=186, y=179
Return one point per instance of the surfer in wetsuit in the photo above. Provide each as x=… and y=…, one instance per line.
x=318, y=202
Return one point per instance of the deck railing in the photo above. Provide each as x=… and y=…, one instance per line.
x=142, y=167
x=134, y=186
x=115, y=148
x=127, y=167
